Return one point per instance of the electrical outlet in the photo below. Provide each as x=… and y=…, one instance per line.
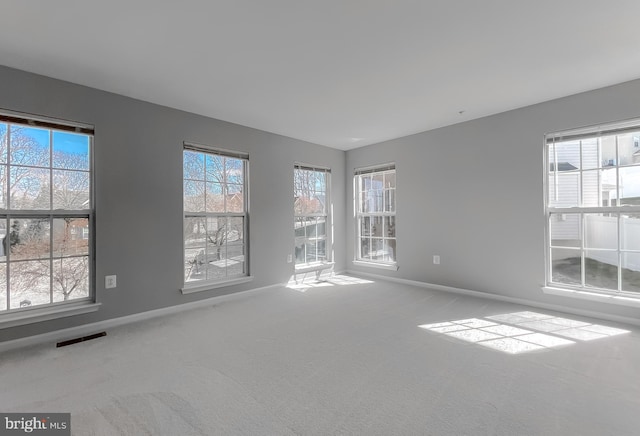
x=436, y=260
x=289, y=258
x=109, y=282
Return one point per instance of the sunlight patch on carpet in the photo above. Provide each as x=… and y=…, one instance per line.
x=521, y=332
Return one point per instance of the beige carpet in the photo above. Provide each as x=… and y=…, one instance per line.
x=344, y=357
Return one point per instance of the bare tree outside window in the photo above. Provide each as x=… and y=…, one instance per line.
x=311, y=213
x=215, y=215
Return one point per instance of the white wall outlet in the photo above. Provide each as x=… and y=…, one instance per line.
x=289, y=258
x=109, y=282
x=436, y=260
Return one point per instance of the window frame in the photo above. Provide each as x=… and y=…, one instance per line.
x=327, y=216
x=582, y=212
x=54, y=309
x=208, y=284
x=359, y=214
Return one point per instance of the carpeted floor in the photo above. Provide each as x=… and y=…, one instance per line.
x=344, y=357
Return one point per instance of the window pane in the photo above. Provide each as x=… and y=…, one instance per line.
x=630, y=231
x=377, y=228
x=601, y=231
x=564, y=156
x=365, y=226
x=4, y=240
x=566, y=266
x=321, y=250
x=631, y=272
x=235, y=233
x=70, y=151
x=194, y=232
x=629, y=148
x=194, y=264
x=3, y=186
x=70, y=237
x=300, y=251
x=390, y=179
x=235, y=261
x=564, y=189
x=193, y=165
x=390, y=250
x=70, y=278
x=29, y=188
x=29, y=146
x=365, y=252
x=193, y=196
x=601, y=269
x=590, y=157
x=377, y=181
x=594, y=191
x=377, y=249
x=234, y=171
x=390, y=226
x=29, y=239
x=390, y=200
x=215, y=168
x=3, y=284
x=630, y=186
x=373, y=201
x=235, y=199
x=70, y=190
x=311, y=251
x=215, y=197
x=565, y=230
x=3, y=144
x=29, y=283
x=216, y=246
x=608, y=151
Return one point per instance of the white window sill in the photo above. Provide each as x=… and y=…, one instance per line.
x=387, y=266
x=201, y=287
x=593, y=296
x=32, y=316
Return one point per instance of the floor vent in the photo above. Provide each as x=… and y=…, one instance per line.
x=76, y=340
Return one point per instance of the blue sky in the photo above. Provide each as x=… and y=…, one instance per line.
x=62, y=141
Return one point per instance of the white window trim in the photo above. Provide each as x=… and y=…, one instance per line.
x=592, y=296
x=328, y=262
x=618, y=297
x=46, y=313
x=392, y=265
x=210, y=285
x=55, y=310
x=379, y=265
x=206, y=285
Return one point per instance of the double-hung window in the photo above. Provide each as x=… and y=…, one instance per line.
x=46, y=212
x=375, y=190
x=312, y=214
x=593, y=210
x=215, y=215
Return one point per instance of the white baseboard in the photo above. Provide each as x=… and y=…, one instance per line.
x=522, y=301
x=87, y=329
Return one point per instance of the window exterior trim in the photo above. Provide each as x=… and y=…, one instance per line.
x=328, y=220
x=75, y=306
x=209, y=284
x=582, y=171
x=359, y=215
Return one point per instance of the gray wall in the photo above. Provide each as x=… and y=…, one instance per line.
x=472, y=193
x=138, y=183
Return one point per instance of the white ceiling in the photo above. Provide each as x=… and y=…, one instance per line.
x=342, y=73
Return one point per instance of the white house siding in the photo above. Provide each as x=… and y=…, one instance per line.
x=602, y=232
